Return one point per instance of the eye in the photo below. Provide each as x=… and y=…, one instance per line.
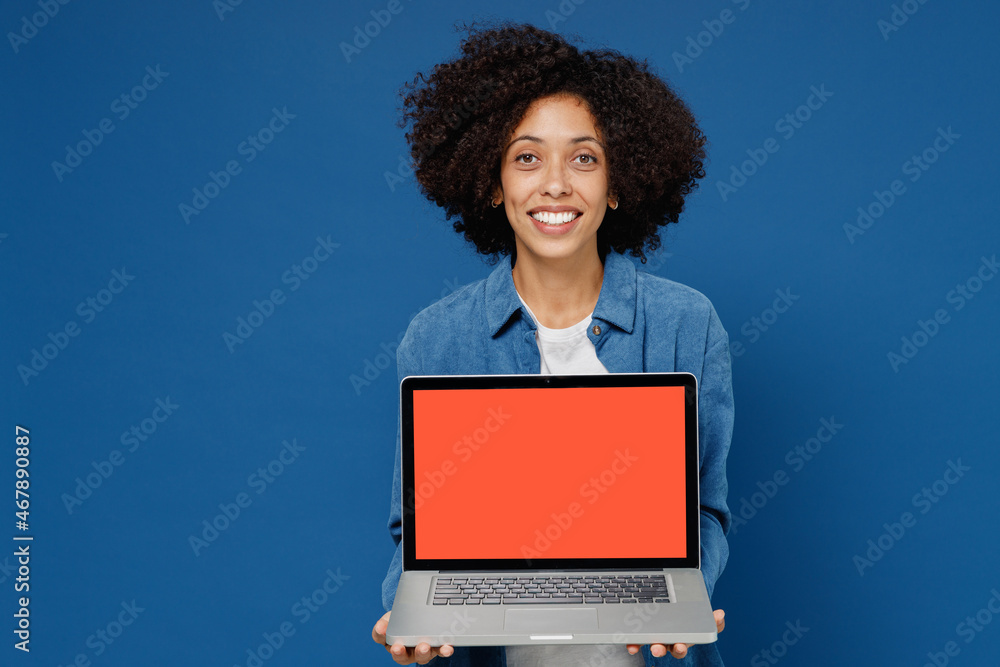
x=525, y=158
x=586, y=158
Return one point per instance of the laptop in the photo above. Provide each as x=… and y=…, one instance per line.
x=547, y=509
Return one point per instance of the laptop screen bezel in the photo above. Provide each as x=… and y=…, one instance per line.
x=411, y=384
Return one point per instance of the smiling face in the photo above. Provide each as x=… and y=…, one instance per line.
x=554, y=181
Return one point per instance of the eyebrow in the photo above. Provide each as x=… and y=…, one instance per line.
x=537, y=140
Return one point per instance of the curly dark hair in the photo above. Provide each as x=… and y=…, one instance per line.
x=464, y=111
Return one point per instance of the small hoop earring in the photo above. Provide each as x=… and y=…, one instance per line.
x=496, y=203
x=615, y=207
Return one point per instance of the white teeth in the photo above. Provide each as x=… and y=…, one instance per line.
x=548, y=218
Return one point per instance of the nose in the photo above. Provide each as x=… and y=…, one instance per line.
x=556, y=180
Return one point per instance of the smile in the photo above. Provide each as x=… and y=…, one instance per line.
x=555, y=219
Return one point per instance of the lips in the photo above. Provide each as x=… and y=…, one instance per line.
x=555, y=223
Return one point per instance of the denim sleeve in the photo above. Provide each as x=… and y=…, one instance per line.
x=715, y=417
x=406, y=364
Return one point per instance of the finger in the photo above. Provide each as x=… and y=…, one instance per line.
x=679, y=650
x=400, y=654
x=422, y=653
x=380, y=628
x=720, y=620
x=632, y=649
x=659, y=650
x=446, y=651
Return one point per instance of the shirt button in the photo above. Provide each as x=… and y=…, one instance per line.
x=596, y=330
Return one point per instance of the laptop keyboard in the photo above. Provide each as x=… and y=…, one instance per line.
x=627, y=589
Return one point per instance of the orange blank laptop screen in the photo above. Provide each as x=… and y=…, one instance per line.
x=549, y=473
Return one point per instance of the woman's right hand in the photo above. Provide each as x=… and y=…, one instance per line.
x=421, y=654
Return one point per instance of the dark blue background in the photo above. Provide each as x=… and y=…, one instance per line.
x=324, y=176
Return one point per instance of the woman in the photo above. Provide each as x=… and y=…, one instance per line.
x=573, y=159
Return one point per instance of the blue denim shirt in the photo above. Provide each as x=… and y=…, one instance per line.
x=642, y=323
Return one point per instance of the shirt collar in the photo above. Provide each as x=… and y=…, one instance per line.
x=616, y=304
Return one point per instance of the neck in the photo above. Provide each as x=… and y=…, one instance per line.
x=560, y=292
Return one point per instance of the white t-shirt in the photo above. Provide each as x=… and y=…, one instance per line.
x=569, y=352
x=566, y=351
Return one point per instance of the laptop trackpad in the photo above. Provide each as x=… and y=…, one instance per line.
x=550, y=621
